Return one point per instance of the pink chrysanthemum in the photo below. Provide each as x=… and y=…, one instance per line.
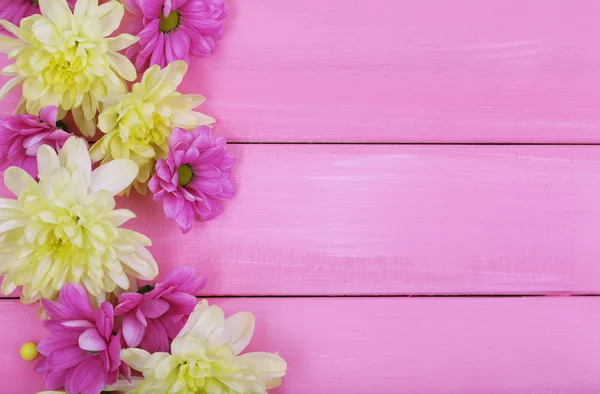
x=153, y=316
x=15, y=10
x=171, y=30
x=22, y=135
x=82, y=353
x=195, y=177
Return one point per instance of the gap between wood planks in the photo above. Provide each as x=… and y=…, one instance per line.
x=384, y=296
x=417, y=143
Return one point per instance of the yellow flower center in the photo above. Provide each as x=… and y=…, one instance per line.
x=185, y=174
x=61, y=72
x=169, y=23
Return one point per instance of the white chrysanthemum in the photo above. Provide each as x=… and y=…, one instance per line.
x=65, y=228
x=138, y=126
x=65, y=59
x=205, y=359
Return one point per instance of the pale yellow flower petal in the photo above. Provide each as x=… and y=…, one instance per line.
x=135, y=358
x=8, y=43
x=16, y=179
x=47, y=160
x=270, y=367
x=58, y=12
x=122, y=65
x=74, y=156
x=121, y=42
x=239, y=329
x=110, y=14
x=10, y=85
x=85, y=7
x=114, y=176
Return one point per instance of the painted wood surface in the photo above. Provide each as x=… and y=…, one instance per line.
x=538, y=345
x=314, y=219
x=410, y=70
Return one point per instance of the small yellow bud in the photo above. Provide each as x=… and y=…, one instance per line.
x=29, y=351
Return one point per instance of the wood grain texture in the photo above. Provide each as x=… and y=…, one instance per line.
x=316, y=219
x=539, y=345
x=410, y=70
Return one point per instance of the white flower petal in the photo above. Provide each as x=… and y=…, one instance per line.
x=47, y=160
x=16, y=179
x=239, y=329
x=11, y=225
x=10, y=85
x=87, y=126
x=270, y=367
x=7, y=44
x=209, y=327
x=121, y=42
x=135, y=358
x=58, y=11
x=74, y=156
x=110, y=14
x=122, y=65
x=10, y=27
x=142, y=265
x=122, y=385
x=114, y=176
x=85, y=7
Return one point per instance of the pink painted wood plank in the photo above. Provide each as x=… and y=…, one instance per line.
x=396, y=345
x=409, y=70
x=346, y=219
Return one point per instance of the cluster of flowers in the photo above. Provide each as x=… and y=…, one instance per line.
x=61, y=239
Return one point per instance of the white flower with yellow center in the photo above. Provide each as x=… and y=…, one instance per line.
x=65, y=59
x=65, y=228
x=205, y=359
x=138, y=126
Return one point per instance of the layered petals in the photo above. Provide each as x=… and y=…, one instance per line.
x=64, y=228
x=194, y=178
x=205, y=358
x=171, y=30
x=64, y=58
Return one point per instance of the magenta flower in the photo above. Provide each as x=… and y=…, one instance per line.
x=22, y=135
x=15, y=10
x=82, y=353
x=153, y=316
x=194, y=179
x=171, y=30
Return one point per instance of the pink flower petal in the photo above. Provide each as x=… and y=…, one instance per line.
x=58, y=341
x=181, y=303
x=154, y=308
x=66, y=358
x=87, y=378
x=156, y=338
x=55, y=379
x=173, y=205
x=133, y=330
x=76, y=297
x=127, y=302
x=92, y=341
x=48, y=115
x=105, y=319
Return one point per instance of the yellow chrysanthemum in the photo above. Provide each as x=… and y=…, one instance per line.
x=139, y=125
x=205, y=359
x=65, y=228
x=65, y=59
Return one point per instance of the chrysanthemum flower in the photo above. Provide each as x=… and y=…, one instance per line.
x=82, y=353
x=171, y=30
x=65, y=59
x=65, y=229
x=15, y=10
x=205, y=358
x=22, y=135
x=138, y=127
x=153, y=316
x=194, y=179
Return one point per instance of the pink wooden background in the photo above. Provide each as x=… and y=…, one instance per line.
x=456, y=163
